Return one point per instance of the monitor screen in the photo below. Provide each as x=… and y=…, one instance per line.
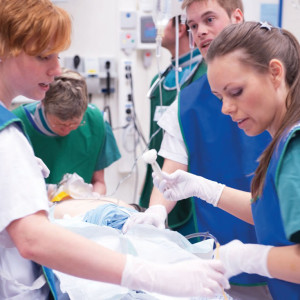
x=148, y=30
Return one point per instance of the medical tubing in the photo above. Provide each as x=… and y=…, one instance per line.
x=139, y=131
x=134, y=164
x=155, y=133
x=128, y=137
x=190, y=65
x=217, y=244
x=158, y=39
x=158, y=46
x=202, y=234
x=137, y=158
x=159, y=82
x=177, y=54
x=191, y=40
x=132, y=129
x=135, y=119
x=136, y=171
x=192, y=46
x=129, y=128
x=123, y=179
x=183, y=18
x=132, y=126
x=136, y=138
x=218, y=257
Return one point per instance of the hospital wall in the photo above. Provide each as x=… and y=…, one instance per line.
x=96, y=33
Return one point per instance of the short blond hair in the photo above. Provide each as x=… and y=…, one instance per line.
x=33, y=26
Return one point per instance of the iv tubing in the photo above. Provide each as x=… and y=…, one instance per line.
x=177, y=53
x=208, y=235
x=192, y=46
x=159, y=36
x=218, y=257
x=159, y=82
x=205, y=235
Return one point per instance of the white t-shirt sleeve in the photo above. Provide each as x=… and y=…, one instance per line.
x=172, y=146
x=22, y=186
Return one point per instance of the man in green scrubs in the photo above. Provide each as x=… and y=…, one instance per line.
x=192, y=67
x=68, y=134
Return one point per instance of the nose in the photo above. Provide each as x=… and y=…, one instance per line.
x=54, y=68
x=228, y=107
x=202, y=30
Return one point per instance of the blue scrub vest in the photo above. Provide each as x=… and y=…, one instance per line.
x=268, y=220
x=218, y=150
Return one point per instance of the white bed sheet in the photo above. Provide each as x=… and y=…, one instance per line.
x=144, y=241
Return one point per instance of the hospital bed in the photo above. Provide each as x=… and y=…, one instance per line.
x=101, y=220
x=145, y=241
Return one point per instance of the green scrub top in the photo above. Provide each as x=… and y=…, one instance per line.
x=183, y=209
x=288, y=189
x=82, y=151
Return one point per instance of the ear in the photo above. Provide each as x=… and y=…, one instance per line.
x=182, y=30
x=277, y=73
x=237, y=16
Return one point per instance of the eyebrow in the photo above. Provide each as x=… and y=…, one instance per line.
x=226, y=86
x=224, y=89
x=202, y=16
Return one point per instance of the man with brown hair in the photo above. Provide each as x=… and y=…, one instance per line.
x=162, y=93
x=68, y=134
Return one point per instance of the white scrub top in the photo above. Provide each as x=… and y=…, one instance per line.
x=23, y=192
x=172, y=146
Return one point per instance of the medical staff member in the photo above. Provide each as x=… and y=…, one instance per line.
x=199, y=138
x=69, y=134
x=260, y=92
x=32, y=33
x=162, y=93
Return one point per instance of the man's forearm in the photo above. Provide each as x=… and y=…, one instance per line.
x=157, y=197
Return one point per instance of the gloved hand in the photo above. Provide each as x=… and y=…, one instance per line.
x=181, y=185
x=155, y=215
x=43, y=167
x=192, y=278
x=249, y=258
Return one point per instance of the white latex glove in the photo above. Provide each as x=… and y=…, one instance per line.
x=51, y=190
x=192, y=278
x=249, y=258
x=43, y=167
x=155, y=215
x=181, y=185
